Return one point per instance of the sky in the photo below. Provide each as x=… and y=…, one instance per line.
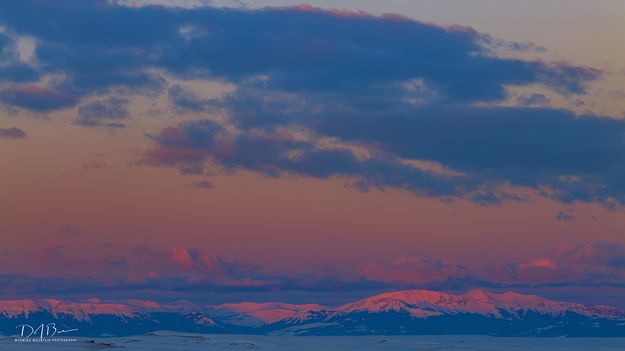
x=232, y=150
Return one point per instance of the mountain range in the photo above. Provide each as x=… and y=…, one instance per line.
x=412, y=312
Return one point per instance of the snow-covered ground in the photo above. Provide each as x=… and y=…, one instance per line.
x=171, y=341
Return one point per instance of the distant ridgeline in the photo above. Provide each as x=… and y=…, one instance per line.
x=411, y=312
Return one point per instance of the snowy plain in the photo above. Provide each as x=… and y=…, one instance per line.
x=172, y=341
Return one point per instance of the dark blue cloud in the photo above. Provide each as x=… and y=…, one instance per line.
x=36, y=98
x=12, y=133
x=554, y=152
x=566, y=215
x=612, y=252
x=110, y=112
x=99, y=45
x=495, y=141
x=195, y=144
x=185, y=100
x=607, y=254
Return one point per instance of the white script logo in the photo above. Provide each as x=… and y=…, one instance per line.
x=41, y=331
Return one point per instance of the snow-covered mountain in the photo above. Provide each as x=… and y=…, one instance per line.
x=424, y=304
x=93, y=317
x=402, y=312
x=260, y=314
x=476, y=312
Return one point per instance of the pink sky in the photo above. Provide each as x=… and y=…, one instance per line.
x=81, y=197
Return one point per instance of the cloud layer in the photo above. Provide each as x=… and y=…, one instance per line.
x=180, y=270
x=384, y=101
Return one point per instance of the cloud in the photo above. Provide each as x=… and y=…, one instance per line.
x=554, y=153
x=585, y=264
x=196, y=144
x=168, y=3
x=539, y=271
x=98, y=45
x=96, y=163
x=187, y=271
x=566, y=215
x=108, y=112
x=12, y=133
x=12, y=69
x=196, y=260
x=577, y=157
x=538, y=263
x=57, y=256
x=598, y=254
x=36, y=97
x=534, y=99
x=178, y=268
x=185, y=100
x=203, y=184
x=181, y=257
x=413, y=271
x=390, y=94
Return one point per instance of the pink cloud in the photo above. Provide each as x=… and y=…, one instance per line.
x=412, y=270
x=538, y=263
x=181, y=257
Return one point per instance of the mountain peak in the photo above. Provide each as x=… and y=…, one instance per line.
x=12, y=308
x=409, y=311
x=270, y=312
x=425, y=303
x=84, y=311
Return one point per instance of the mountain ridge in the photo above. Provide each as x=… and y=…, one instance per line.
x=398, y=312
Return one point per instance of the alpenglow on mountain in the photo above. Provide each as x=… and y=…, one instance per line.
x=412, y=312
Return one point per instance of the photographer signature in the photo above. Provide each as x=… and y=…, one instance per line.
x=42, y=330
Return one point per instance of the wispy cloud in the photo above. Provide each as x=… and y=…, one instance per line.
x=12, y=133
x=110, y=112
